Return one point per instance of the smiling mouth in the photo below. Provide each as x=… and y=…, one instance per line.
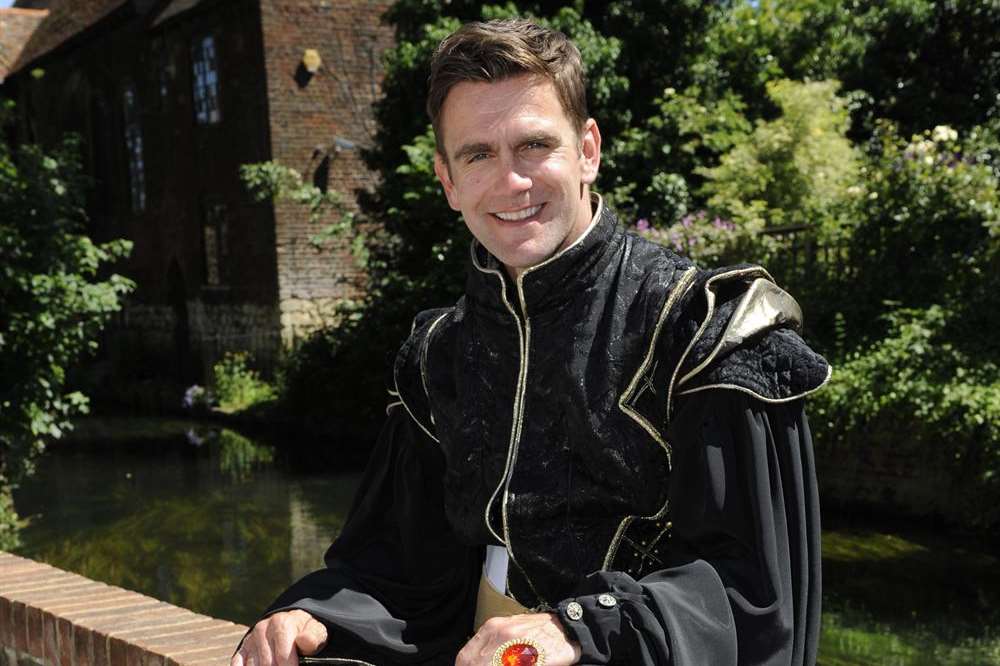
x=519, y=215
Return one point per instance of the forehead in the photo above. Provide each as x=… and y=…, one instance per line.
x=477, y=111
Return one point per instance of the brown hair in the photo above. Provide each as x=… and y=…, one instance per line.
x=499, y=49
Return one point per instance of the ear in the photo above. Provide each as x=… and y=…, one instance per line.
x=590, y=151
x=444, y=177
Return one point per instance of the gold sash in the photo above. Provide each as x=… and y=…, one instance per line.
x=492, y=603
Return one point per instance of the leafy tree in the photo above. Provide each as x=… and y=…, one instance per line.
x=919, y=63
x=55, y=297
x=794, y=170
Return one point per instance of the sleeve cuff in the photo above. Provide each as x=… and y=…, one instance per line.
x=593, y=618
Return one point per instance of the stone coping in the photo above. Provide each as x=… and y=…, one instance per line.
x=52, y=617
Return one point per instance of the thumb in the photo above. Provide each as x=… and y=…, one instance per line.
x=311, y=639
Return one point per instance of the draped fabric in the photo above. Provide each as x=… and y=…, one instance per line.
x=742, y=585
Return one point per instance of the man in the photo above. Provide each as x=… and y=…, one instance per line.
x=598, y=455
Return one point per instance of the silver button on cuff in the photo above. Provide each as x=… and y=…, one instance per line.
x=607, y=601
x=574, y=610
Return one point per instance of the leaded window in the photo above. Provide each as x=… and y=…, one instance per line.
x=215, y=231
x=133, y=146
x=206, y=82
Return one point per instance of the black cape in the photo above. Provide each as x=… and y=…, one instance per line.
x=678, y=478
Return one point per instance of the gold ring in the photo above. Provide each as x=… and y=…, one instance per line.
x=519, y=652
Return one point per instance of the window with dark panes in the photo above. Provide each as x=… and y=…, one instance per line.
x=206, y=81
x=133, y=146
x=215, y=242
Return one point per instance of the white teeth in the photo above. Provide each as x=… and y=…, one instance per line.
x=519, y=215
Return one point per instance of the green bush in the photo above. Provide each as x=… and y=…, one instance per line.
x=925, y=216
x=56, y=294
x=915, y=389
x=793, y=170
x=237, y=386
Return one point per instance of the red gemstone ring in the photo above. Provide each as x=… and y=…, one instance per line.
x=519, y=652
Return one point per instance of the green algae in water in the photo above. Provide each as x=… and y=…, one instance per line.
x=908, y=596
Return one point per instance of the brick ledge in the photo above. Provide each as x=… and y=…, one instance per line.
x=51, y=617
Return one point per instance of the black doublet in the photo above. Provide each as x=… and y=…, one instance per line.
x=551, y=398
x=625, y=424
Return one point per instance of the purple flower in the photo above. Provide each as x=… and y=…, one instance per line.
x=194, y=438
x=642, y=224
x=193, y=395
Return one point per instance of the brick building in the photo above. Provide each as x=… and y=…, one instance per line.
x=170, y=98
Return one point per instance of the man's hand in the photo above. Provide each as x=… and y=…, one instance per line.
x=543, y=628
x=279, y=639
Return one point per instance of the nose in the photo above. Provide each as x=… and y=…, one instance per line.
x=515, y=176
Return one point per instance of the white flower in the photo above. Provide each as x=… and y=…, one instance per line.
x=928, y=160
x=943, y=133
x=854, y=190
x=873, y=196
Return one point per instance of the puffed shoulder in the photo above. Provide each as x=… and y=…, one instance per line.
x=410, y=369
x=748, y=338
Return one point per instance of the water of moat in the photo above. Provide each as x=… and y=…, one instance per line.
x=209, y=519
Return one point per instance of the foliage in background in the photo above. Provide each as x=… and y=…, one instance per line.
x=56, y=296
x=795, y=170
x=273, y=181
x=919, y=63
x=237, y=385
x=918, y=390
x=926, y=220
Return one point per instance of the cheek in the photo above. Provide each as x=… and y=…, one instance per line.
x=558, y=172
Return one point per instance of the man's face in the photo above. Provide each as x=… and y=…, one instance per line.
x=516, y=168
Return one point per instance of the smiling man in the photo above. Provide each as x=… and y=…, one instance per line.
x=599, y=454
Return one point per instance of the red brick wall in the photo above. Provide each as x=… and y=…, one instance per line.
x=307, y=115
x=56, y=618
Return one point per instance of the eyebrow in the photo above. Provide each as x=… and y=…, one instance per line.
x=472, y=149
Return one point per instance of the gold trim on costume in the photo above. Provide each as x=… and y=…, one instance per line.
x=524, y=341
x=765, y=305
x=710, y=299
x=685, y=282
x=773, y=401
x=423, y=363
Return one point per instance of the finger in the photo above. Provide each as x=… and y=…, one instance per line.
x=312, y=638
x=261, y=654
x=237, y=659
x=281, y=636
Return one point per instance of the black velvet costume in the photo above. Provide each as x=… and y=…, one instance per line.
x=625, y=424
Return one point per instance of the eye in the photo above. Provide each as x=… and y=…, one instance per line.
x=476, y=157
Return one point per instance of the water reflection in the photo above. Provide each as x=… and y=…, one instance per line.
x=906, y=597
x=210, y=520
x=220, y=523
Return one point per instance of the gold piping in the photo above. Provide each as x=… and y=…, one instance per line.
x=395, y=380
x=737, y=329
x=517, y=391
x=682, y=286
x=773, y=401
x=710, y=298
x=423, y=363
x=524, y=337
x=676, y=293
